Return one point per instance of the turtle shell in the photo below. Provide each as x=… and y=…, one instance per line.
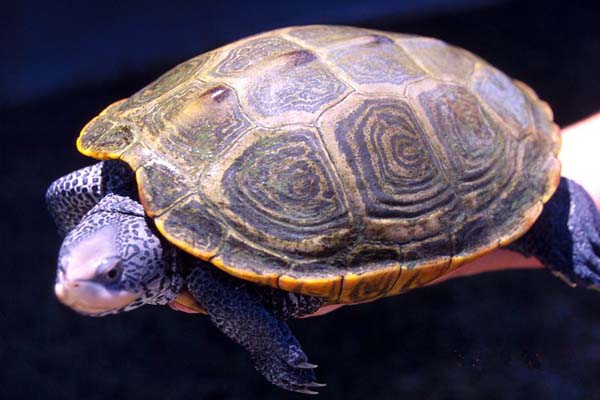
x=333, y=161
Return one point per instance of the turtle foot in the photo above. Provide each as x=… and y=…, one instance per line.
x=584, y=226
x=566, y=237
x=235, y=308
x=298, y=377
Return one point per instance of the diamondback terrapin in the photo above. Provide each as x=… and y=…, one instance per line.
x=309, y=166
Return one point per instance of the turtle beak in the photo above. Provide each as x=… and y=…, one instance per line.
x=89, y=297
x=81, y=266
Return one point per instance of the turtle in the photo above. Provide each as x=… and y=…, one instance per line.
x=311, y=166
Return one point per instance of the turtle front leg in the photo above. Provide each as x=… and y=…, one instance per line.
x=69, y=198
x=566, y=236
x=236, y=309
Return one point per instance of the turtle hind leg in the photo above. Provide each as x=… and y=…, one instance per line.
x=566, y=236
x=237, y=310
x=70, y=197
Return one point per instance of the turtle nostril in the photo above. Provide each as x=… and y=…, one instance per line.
x=67, y=284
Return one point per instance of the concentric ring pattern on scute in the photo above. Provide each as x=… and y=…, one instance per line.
x=334, y=161
x=282, y=192
x=390, y=158
x=479, y=153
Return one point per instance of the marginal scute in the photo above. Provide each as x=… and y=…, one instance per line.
x=116, y=141
x=325, y=285
x=438, y=247
x=368, y=257
x=92, y=132
x=473, y=233
x=535, y=163
x=544, y=127
x=370, y=285
x=160, y=186
x=241, y=259
x=106, y=139
x=373, y=270
x=192, y=227
x=419, y=275
x=89, y=141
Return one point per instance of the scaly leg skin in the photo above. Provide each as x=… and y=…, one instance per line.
x=237, y=310
x=70, y=197
x=566, y=236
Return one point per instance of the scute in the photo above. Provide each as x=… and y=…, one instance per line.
x=192, y=227
x=160, y=187
x=293, y=90
x=497, y=90
x=322, y=36
x=198, y=125
x=251, y=54
x=333, y=161
x=374, y=63
x=279, y=189
x=391, y=160
x=440, y=60
x=171, y=79
x=478, y=151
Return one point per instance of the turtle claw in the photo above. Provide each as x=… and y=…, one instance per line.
x=276, y=370
x=306, y=365
x=306, y=390
x=240, y=314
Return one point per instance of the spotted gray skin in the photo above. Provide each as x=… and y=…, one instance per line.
x=69, y=198
x=113, y=259
x=145, y=266
x=276, y=353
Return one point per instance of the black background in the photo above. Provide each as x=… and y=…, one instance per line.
x=505, y=335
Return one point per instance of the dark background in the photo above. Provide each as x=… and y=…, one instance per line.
x=514, y=335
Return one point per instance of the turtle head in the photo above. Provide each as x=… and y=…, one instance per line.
x=113, y=261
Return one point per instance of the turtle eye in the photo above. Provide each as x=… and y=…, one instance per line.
x=110, y=270
x=112, y=274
